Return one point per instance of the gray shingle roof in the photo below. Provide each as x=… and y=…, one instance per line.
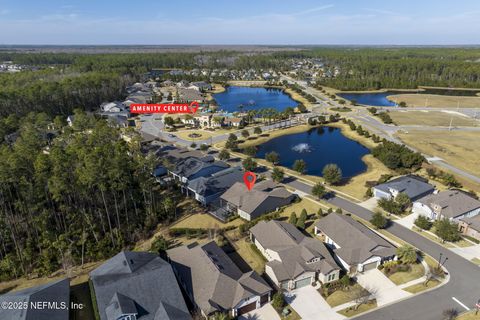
x=473, y=222
x=413, y=187
x=174, y=154
x=141, y=283
x=212, y=278
x=298, y=253
x=357, y=242
x=452, y=203
x=56, y=291
x=248, y=201
x=193, y=165
x=217, y=182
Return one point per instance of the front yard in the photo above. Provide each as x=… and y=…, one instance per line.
x=351, y=311
x=400, y=277
x=342, y=296
x=419, y=287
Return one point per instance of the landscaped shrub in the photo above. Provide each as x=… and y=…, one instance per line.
x=423, y=223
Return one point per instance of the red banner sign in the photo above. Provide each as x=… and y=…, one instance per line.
x=164, y=107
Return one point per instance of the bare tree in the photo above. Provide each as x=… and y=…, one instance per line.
x=363, y=296
x=450, y=314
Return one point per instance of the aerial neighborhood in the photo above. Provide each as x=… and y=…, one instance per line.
x=116, y=215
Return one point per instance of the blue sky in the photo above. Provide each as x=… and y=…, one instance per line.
x=420, y=22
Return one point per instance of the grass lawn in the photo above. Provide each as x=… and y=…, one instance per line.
x=458, y=148
x=469, y=316
x=350, y=312
x=297, y=97
x=356, y=185
x=463, y=243
x=432, y=118
x=417, y=271
x=251, y=256
x=183, y=134
x=432, y=237
x=419, y=287
x=205, y=221
x=436, y=101
x=340, y=296
x=307, y=204
x=78, y=274
x=476, y=261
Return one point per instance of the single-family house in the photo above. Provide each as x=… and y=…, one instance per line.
x=168, y=83
x=356, y=247
x=266, y=196
x=207, y=189
x=113, y=107
x=174, y=155
x=190, y=95
x=183, y=84
x=450, y=204
x=214, y=283
x=193, y=168
x=118, y=121
x=200, y=86
x=470, y=226
x=294, y=260
x=55, y=293
x=138, y=286
x=235, y=122
x=413, y=187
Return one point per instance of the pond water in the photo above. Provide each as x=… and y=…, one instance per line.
x=318, y=147
x=236, y=98
x=379, y=99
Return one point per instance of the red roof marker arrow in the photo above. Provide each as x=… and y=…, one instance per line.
x=194, y=106
x=249, y=179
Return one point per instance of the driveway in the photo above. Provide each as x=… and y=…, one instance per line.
x=385, y=290
x=408, y=221
x=370, y=204
x=267, y=312
x=468, y=252
x=310, y=305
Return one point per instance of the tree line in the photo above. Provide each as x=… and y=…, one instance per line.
x=69, y=195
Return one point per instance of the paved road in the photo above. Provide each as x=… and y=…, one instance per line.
x=151, y=124
x=464, y=282
x=386, y=131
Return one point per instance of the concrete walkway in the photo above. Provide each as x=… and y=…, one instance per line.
x=419, y=280
x=468, y=252
x=385, y=291
x=267, y=312
x=310, y=305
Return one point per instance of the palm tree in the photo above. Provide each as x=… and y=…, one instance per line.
x=407, y=254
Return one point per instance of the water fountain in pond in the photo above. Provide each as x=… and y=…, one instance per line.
x=302, y=147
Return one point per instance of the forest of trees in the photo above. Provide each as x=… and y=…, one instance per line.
x=402, y=68
x=70, y=195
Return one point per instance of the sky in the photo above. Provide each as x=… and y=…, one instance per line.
x=284, y=22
